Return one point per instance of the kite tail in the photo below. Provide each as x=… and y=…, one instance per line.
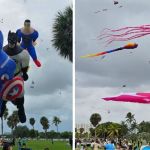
x=126, y=28
x=124, y=34
x=114, y=39
x=107, y=30
x=133, y=31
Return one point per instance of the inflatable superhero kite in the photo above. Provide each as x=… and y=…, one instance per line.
x=27, y=37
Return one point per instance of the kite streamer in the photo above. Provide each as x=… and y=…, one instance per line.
x=128, y=46
x=124, y=34
x=143, y=98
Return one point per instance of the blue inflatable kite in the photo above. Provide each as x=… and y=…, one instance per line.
x=27, y=40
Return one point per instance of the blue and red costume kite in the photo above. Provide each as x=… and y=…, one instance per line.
x=27, y=40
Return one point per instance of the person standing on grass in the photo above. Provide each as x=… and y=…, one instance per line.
x=6, y=146
x=118, y=146
x=92, y=145
x=70, y=141
x=96, y=145
x=109, y=146
x=83, y=147
x=78, y=144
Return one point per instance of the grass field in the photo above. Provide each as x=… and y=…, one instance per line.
x=40, y=145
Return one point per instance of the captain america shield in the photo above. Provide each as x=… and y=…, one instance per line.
x=12, y=89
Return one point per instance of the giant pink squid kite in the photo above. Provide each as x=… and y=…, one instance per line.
x=143, y=98
x=124, y=34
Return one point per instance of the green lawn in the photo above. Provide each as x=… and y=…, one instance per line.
x=40, y=145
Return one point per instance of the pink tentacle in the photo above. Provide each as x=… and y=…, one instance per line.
x=137, y=36
x=123, y=34
x=107, y=30
x=135, y=27
x=109, y=33
x=127, y=39
x=128, y=31
x=114, y=39
x=143, y=27
x=122, y=29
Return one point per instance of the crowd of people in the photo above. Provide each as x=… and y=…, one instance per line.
x=7, y=144
x=116, y=144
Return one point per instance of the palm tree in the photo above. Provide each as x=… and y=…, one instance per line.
x=134, y=127
x=45, y=123
x=101, y=130
x=130, y=117
x=114, y=130
x=144, y=126
x=32, y=122
x=13, y=120
x=124, y=128
x=56, y=122
x=62, y=33
x=76, y=130
x=10, y=123
x=81, y=131
x=95, y=119
x=4, y=117
x=92, y=132
x=130, y=120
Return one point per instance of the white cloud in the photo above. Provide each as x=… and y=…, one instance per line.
x=55, y=75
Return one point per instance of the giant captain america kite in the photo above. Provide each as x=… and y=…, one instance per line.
x=7, y=65
x=10, y=87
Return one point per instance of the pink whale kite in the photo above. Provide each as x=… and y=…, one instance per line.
x=143, y=98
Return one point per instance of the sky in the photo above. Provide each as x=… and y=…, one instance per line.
x=97, y=77
x=52, y=95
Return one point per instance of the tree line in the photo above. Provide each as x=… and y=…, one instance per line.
x=23, y=131
x=128, y=128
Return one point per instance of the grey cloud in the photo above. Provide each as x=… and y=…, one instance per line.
x=96, y=77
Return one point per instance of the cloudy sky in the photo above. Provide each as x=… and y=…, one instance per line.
x=96, y=77
x=52, y=94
